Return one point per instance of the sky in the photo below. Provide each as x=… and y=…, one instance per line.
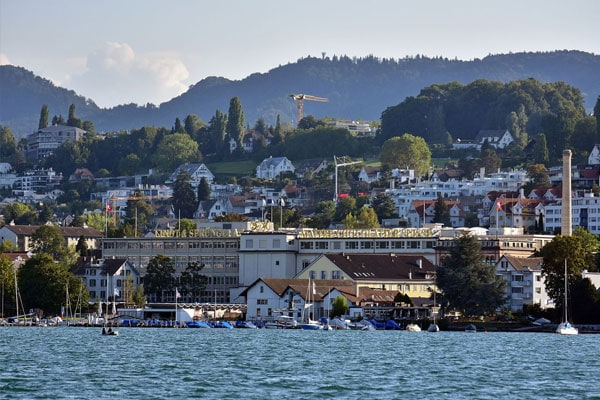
x=149, y=51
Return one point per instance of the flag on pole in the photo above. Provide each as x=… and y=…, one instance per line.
x=282, y=202
x=117, y=292
x=314, y=288
x=499, y=205
x=108, y=208
x=177, y=294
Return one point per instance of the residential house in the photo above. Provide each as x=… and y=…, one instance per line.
x=524, y=282
x=369, y=174
x=594, y=157
x=311, y=167
x=271, y=167
x=498, y=139
x=196, y=171
x=81, y=174
x=114, y=278
x=409, y=274
x=269, y=298
x=21, y=235
x=43, y=142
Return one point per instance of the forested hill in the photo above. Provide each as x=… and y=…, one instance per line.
x=357, y=88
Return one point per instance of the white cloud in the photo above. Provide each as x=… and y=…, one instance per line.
x=116, y=74
x=4, y=59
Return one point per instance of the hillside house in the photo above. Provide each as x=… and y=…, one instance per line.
x=498, y=139
x=271, y=167
x=196, y=171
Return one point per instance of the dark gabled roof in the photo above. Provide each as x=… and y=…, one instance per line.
x=67, y=232
x=109, y=265
x=520, y=263
x=382, y=266
x=322, y=286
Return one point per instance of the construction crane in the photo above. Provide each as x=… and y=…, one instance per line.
x=341, y=162
x=300, y=100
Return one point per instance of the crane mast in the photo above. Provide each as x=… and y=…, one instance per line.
x=299, y=98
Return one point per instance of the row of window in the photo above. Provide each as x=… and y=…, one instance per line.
x=171, y=245
x=367, y=244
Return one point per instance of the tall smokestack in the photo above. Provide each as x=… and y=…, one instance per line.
x=566, y=220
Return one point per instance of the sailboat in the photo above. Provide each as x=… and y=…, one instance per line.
x=565, y=327
x=433, y=327
x=109, y=331
x=307, y=323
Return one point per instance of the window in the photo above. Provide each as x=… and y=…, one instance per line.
x=276, y=243
x=517, y=278
x=262, y=301
x=249, y=243
x=323, y=274
x=262, y=289
x=277, y=262
x=305, y=264
x=262, y=244
x=258, y=312
x=312, y=275
x=92, y=283
x=336, y=275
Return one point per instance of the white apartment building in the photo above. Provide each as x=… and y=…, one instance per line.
x=524, y=282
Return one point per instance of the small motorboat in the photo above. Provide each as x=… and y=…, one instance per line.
x=470, y=328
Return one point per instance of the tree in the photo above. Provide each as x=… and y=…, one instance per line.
x=467, y=283
x=490, y=160
x=597, y=116
x=176, y=149
x=7, y=280
x=138, y=297
x=48, y=239
x=138, y=213
x=43, y=284
x=442, y=212
x=43, y=117
x=235, y=122
x=193, y=282
x=186, y=225
x=8, y=145
x=384, y=207
x=159, y=276
x=20, y=213
x=406, y=151
x=538, y=177
x=81, y=248
x=345, y=206
x=184, y=199
x=577, y=251
x=540, y=149
x=203, y=190
x=73, y=120
x=216, y=133
x=339, y=307
x=367, y=218
x=178, y=128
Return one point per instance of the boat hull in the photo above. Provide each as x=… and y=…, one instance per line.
x=566, y=329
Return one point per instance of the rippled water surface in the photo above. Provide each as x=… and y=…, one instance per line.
x=142, y=363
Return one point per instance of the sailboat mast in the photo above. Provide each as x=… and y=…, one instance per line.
x=565, y=304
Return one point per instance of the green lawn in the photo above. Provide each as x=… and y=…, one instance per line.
x=235, y=168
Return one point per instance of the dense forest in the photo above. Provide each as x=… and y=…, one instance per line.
x=441, y=113
x=357, y=88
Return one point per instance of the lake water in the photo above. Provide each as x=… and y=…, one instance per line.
x=144, y=363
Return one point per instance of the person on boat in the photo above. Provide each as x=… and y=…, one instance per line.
x=103, y=330
x=110, y=331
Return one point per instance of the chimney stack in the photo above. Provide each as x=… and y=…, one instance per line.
x=567, y=218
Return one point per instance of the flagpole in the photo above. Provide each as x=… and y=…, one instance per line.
x=176, y=307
